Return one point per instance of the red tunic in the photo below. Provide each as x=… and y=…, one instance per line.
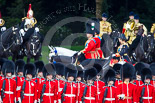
x=99, y=85
x=138, y=82
x=129, y=90
x=49, y=94
x=38, y=81
x=71, y=92
x=10, y=90
x=80, y=90
x=153, y=83
x=148, y=94
x=19, y=81
x=90, y=49
x=91, y=96
x=30, y=92
x=98, y=46
x=58, y=89
x=117, y=82
x=111, y=95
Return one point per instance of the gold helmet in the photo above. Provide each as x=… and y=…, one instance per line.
x=130, y=25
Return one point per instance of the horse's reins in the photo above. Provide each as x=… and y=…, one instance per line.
x=5, y=49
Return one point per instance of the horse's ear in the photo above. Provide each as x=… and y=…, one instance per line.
x=49, y=47
x=13, y=28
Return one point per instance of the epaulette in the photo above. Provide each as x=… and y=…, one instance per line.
x=3, y=22
x=104, y=86
x=133, y=84
x=24, y=18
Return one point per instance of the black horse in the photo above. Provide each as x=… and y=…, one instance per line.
x=139, y=54
x=16, y=49
x=151, y=50
x=106, y=45
x=33, y=47
x=6, y=42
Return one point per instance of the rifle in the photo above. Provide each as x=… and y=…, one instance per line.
x=105, y=94
x=64, y=91
x=16, y=74
x=84, y=94
x=3, y=87
x=142, y=94
x=36, y=75
x=42, y=93
x=23, y=89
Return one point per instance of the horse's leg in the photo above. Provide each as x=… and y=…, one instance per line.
x=36, y=58
x=28, y=58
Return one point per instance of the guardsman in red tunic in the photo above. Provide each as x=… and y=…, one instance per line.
x=19, y=69
x=90, y=45
x=29, y=87
x=39, y=79
x=126, y=90
x=138, y=67
x=146, y=91
x=117, y=68
x=80, y=84
x=47, y=91
x=152, y=66
x=8, y=85
x=89, y=94
x=109, y=92
x=98, y=83
x=59, y=81
x=69, y=93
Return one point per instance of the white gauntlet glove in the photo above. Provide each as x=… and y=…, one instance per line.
x=37, y=29
x=22, y=32
x=3, y=28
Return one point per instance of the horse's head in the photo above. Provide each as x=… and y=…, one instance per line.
x=150, y=38
x=53, y=51
x=18, y=37
x=35, y=44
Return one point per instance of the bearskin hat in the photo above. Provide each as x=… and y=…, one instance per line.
x=98, y=68
x=109, y=76
x=138, y=68
x=2, y=60
x=93, y=26
x=60, y=69
x=8, y=67
x=30, y=69
x=127, y=71
x=90, y=73
x=39, y=66
x=19, y=65
x=146, y=73
x=70, y=70
x=152, y=67
x=49, y=69
x=117, y=68
x=80, y=71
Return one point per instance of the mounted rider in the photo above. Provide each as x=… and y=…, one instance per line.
x=105, y=26
x=123, y=49
x=128, y=28
x=140, y=31
x=28, y=25
x=2, y=24
x=153, y=29
x=90, y=45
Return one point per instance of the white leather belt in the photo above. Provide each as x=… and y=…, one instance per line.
x=109, y=99
x=8, y=92
x=70, y=95
x=49, y=94
x=90, y=98
x=29, y=94
x=147, y=97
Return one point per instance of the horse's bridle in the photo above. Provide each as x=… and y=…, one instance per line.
x=6, y=49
